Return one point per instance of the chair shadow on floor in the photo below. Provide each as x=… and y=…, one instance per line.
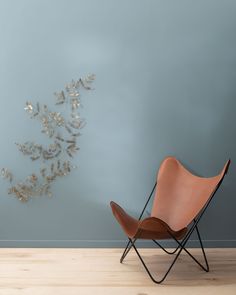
x=186, y=272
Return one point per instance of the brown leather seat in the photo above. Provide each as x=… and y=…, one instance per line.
x=179, y=198
x=148, y=228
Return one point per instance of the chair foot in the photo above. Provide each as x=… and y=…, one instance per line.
x=126, y=251
x=180, y=247
x=148, y=271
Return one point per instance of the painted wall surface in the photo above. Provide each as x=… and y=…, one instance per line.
x=166, y=85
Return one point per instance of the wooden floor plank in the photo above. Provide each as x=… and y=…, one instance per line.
x=98, y=271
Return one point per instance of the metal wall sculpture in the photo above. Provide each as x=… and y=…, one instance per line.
x=56, y=158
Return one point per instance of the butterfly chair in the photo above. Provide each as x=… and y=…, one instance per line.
x=180, y=200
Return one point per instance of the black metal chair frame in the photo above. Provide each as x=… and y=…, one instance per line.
x=181, y=245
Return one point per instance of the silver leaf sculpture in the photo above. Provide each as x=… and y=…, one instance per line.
x=56, y=159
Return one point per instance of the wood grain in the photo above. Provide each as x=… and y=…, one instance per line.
x=98, y=271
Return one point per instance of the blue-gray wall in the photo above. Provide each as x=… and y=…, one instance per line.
x=166, y=85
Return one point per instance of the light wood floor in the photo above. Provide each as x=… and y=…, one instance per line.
x=98, y=271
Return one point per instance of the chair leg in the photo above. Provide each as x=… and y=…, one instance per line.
x=204, y=255
x=203, y=251
x=181, y=246
x=128, y=248
x=146, y=268
x=168, y=252
x=126, y=251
